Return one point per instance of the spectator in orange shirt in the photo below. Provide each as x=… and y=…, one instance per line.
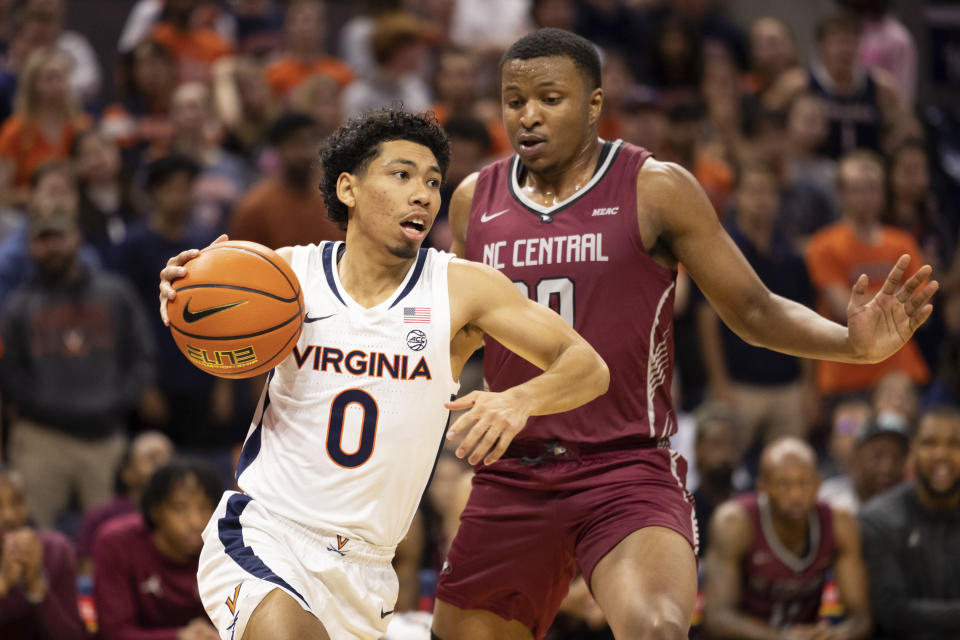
x=305, y=31
x=840, y=254
x=45, y=119
x=195, y=48
x=287, y=209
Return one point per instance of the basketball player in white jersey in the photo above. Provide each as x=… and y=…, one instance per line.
x=350, y=424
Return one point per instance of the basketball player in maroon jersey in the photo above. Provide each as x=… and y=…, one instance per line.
x=770, y=551
x=596, y=229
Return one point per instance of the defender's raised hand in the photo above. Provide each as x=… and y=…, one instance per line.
x=880, y=325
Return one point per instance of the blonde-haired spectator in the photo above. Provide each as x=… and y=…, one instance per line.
x=46, y=117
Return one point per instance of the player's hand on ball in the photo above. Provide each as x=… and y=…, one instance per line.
x=493, y=420
x=174, y=270
x=879, y=325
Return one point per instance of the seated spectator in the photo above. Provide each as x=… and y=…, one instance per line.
x=945, y=388
x=76, y=358
x=861, y=103
x=108, y=204
x=399, y=49
x=84, y=75
x=195, y=48
x=259, y=27
x=886, y=43
x=849, y=419
x=38, y=592
x=719, y=454
x=223, y=177
x=772, y=52
x=770, y=553
x=877, y=464
x=147, y=452
x=910, y=539
x=319, y=97
x=469, y=144
x=288, y=209
x=147, y=78
x=772, y=394
x=42, y=128
x=150, y=590
x=304, y=53
x=643, y=120
x=859, y=244
x=895, y=394
x=188, y=405
x=244, y=106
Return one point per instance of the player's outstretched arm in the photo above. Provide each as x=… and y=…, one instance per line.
x=877, y=326
x=730, y=540
x=851, y=579
x=573, y=372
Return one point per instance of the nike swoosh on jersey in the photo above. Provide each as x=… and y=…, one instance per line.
x=384, y=614
x=488, y=217
x=307, y=317
x=193, y=316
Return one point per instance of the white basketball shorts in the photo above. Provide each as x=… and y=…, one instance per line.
x=349, y=585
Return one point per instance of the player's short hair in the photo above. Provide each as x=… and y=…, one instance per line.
x=161, y=170
x=548, y=42
x=167, y=478
x=350, y=148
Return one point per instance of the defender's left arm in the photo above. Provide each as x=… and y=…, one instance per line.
x=687, y=225
x=851, y=578
x=573, y=372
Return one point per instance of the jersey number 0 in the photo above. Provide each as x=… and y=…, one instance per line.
x=368, y=432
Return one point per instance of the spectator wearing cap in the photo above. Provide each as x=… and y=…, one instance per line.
x=399, y=44
x=186, y=404
x=287, y=209
x=878, y=463
x=77, y=357
x=305, y=37
x=469, y=146
x=150, y=589
x=643, y=120
x=911, y=539
x=38, y=593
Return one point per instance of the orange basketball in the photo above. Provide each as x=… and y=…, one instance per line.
x=238, y=311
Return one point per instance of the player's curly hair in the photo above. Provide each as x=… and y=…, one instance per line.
x=350, y=148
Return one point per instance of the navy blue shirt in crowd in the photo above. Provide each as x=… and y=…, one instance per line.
x=784, y=273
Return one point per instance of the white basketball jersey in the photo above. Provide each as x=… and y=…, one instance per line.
x=350, y=424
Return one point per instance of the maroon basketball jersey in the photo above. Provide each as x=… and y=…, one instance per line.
x=584, y=258
x=776, y=585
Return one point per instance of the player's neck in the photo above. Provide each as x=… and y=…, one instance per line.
x=370, y=274
x=556, y=186
x=792, y=535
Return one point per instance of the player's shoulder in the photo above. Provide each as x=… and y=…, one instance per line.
x=891, y=510
x=663, y=179
x=730, y=526
x=121, y=532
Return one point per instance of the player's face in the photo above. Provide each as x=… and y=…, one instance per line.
x=792, y=488
x=13, y=504
x=181, y=518
x=936, y=455
x=396, y=199
x=548, y=111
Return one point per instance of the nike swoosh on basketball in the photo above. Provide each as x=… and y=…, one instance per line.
x=488, y=217
x=384, y=614
x=307, y=317
x=193, y=316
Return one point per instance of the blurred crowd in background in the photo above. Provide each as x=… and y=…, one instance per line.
x=132, y=130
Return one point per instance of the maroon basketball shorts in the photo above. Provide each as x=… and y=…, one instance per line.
x=528, y=525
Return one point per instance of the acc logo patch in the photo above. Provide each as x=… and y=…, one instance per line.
x=417, y=340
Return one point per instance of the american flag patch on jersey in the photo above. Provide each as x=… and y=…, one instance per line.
x=416, y=314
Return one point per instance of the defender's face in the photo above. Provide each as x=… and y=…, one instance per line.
x=548, y=111
x=397, y=198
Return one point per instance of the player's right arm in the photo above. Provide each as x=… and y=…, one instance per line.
x=483, y=299
x=459, y=214
x=730, y=539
